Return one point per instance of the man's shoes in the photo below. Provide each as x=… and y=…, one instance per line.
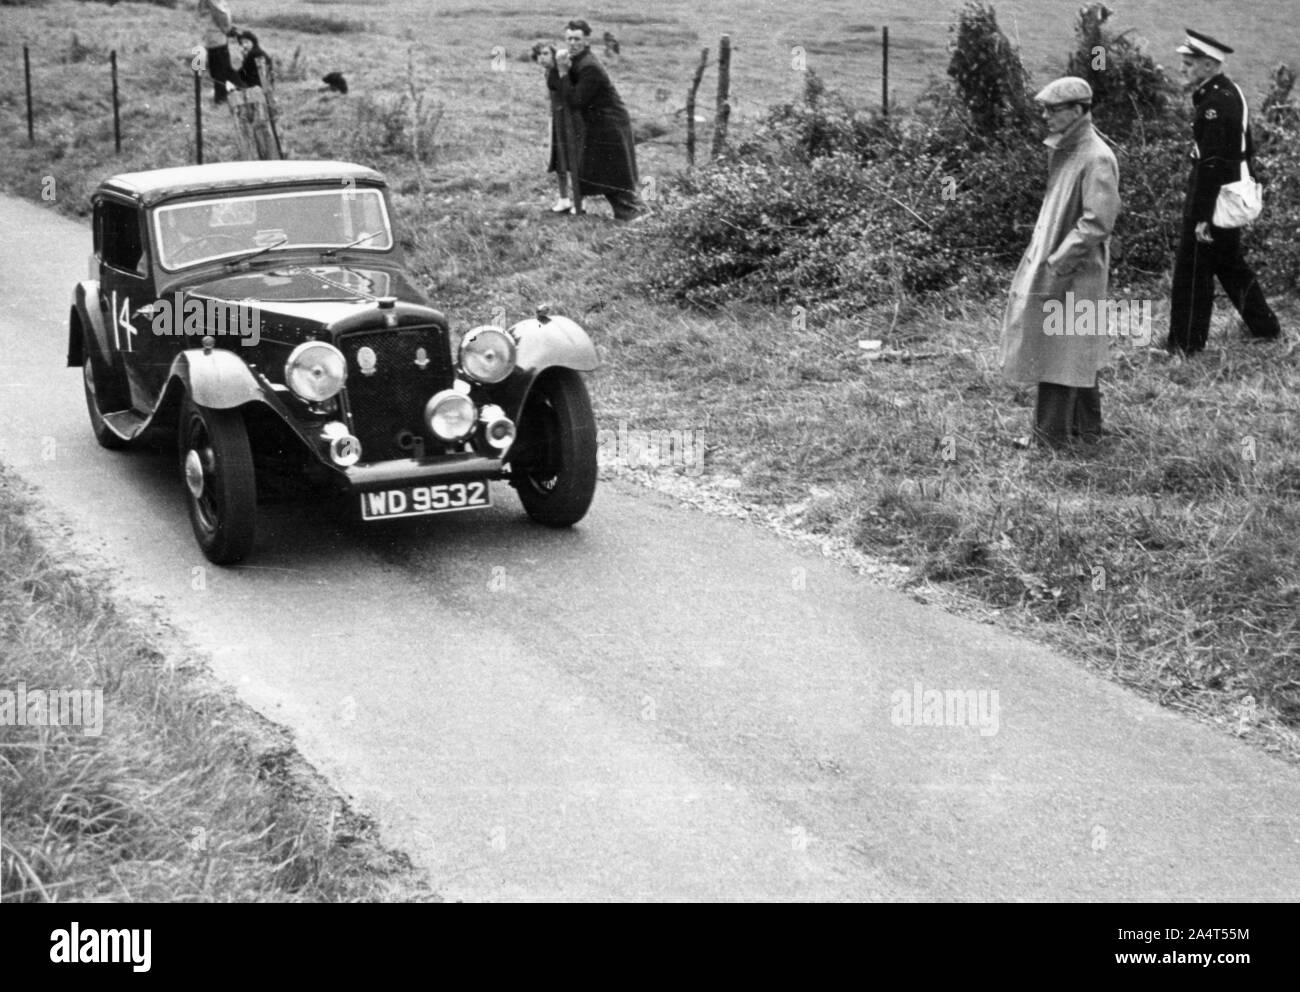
x=562, y=206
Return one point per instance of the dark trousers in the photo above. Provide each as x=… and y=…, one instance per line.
x=220, y=69
x=626, y=204
x=1195, y=270
x=1066, y=413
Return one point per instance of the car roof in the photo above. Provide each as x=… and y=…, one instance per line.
x=157, y=185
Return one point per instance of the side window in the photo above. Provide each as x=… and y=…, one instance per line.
x=119, y=236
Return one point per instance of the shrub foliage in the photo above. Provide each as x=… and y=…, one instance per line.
x=836, y=208
x=991, y=81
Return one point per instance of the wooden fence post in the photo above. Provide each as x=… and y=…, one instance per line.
x=690, y=106
x=198, y=118
x=884, y=71
x=27, y=76
x=117, y=119
x=724, y=95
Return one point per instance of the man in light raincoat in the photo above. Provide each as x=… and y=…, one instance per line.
x=1055, y=333
x=218, y=28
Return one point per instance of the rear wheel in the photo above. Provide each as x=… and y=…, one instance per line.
x=94, y=379
x=553, y=461
x=217, y=466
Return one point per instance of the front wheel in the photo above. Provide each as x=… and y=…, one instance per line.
x=93, y=379
x=553, y=461
x=217, y=466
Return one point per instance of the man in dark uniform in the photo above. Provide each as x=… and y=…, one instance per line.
x=1206, y=251
x=606, y=150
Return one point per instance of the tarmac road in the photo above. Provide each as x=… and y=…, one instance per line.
x=658, y=704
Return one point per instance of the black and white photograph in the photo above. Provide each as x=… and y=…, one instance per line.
x=689, y=453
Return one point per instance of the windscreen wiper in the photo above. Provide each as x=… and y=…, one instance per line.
x=365, y=237
x=254, y=253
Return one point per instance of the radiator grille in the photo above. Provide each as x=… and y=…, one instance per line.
x=387, y=395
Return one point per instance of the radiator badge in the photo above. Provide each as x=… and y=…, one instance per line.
x=421, y=358
x=366, y=360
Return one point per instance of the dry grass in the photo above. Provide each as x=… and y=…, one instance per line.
x=307, y=23
x=183, y=796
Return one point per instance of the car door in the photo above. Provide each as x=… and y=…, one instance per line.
x=126, y=295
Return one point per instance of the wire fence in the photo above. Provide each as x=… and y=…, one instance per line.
x=259, y=121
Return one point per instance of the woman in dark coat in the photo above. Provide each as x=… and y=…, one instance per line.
x=562, y=131
x=606, y=152
x=248, y=74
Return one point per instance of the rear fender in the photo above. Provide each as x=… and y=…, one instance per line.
x=85, y=314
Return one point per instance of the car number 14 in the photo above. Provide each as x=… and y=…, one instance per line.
x=412, y=501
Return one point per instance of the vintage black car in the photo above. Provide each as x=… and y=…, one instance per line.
x=259, y=313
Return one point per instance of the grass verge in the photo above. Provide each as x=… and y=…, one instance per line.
x=179, y=794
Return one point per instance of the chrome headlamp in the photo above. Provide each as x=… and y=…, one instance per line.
x=450, y=415
x=498, y=429
x=487, y=354
x=315, y=371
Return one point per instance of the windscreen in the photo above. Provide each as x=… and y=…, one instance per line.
x=202, y=230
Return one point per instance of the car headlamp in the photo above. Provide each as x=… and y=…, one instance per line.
x=450, y=415
x=498, y=430
x=315, y=371
x=487, y=354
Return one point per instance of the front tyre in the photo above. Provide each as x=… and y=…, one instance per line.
x=94, y=377
x=553, y=461
x=217, y=466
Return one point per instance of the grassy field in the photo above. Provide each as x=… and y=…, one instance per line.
x=1169, y=559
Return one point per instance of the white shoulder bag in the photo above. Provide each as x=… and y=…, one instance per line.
x=1239, y=204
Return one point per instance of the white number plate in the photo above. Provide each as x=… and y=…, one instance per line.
x=418, y=501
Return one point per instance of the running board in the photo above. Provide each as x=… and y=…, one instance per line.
x=126, y=424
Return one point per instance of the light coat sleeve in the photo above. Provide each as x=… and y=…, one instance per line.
x=221, y=18
x=1099, y=195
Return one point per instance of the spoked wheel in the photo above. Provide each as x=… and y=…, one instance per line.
x=93, y=379
x=553, y=461
x=217, y=466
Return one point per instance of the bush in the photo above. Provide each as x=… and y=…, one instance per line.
x=838, y=209
x=1129, y=91
x=79, y=52
x=393, y=124
x=1277, y=165
x=1278, y=107
x=991, y=81
x=823, y=124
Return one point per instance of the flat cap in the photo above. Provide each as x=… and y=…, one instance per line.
x=1197, y=43
x=1067, y=89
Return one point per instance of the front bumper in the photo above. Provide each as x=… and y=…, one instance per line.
x=410, y=471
